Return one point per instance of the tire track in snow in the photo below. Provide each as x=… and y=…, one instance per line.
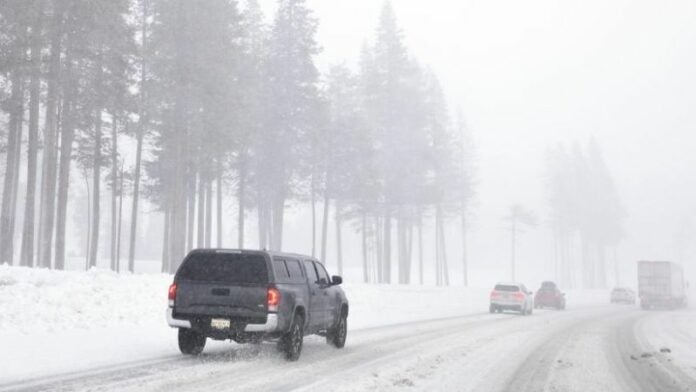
x=616, y=339
x=243, y=360
x=645, y=368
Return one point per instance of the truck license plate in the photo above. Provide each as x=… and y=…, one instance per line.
x=220, y=323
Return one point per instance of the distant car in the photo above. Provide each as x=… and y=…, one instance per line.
x=511, y=296
x=250, y=296
x=549, y=296
x=623, y=295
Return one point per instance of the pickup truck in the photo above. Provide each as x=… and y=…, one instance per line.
x=661, y=284
x=251, y=296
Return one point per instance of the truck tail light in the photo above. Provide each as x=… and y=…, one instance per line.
x=272, y=299
x=172, y=294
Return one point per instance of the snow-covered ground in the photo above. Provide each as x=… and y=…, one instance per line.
x=98, y=324
x=99, y=317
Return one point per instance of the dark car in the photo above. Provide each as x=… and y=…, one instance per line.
x=252, y=296
x=549, y=296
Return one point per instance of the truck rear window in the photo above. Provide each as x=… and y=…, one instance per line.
x=506, y=287
x=224, y=268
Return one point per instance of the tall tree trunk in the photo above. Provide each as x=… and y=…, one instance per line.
x=136, y=197
x=277, y=219
x=140, y=133
x=200, y=227
x=465, y=259
x=409, y=251
x=96, y=187
x=386, y=262
x=379, y=248
x=166, y=267
x=325, y=226
x=218, y=210
x=617, y=281
x=403, y=241
x=120, y=220
x=261, y=210
x=401, y=245
x=9, y=190
x=314, y=215
x=438, y=256
x=420, y=247
x=513, y=243
x=27, y=252
x=89, y=219
x=67, y=136
x=208, y=213
x=241, y=204
x=190, y=210
x=114, y=190
x=443, y=252
x=17, y=165
x=48, y=175
x=585, y=262
x=177, y=236
x=339, y=239
x=366, y=272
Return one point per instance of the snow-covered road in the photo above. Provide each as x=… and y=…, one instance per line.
x=591, y=348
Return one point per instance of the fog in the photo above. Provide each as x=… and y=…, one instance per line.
x=529, y=75
x=432, y=195
x=521, y=78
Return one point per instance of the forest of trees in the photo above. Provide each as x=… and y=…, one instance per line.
x=586, y=215
x=215, y=104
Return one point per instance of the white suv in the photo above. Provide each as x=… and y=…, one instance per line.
x=511, y=296
x=623, y=295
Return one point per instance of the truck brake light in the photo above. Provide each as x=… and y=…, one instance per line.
x=172, y=294
x=273, y=299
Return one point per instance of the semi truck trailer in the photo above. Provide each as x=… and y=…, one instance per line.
x=661, y=284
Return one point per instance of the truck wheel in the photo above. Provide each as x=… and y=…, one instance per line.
x=191, y=342
x=337, y=335
x=291, y=343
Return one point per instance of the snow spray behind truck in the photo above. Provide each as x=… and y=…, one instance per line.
x=661, y=284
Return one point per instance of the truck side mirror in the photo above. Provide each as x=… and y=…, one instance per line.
x=336, y=280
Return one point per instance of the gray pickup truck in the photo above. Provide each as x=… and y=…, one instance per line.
x=251, y=296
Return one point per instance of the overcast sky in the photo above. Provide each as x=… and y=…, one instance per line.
x=530, y=74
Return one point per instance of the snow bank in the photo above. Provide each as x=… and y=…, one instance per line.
x=99, y=318
x=43, y=301
x=39, y=300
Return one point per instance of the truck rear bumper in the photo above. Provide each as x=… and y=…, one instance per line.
x=176, y=323
x=270, y=325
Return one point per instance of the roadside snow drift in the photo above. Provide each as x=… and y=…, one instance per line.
x=57, y=321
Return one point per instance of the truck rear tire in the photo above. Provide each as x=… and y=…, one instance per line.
x=191, y=342
x=336, y=336
x=291, y=342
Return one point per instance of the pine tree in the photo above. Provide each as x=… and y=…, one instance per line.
x=292, y=106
